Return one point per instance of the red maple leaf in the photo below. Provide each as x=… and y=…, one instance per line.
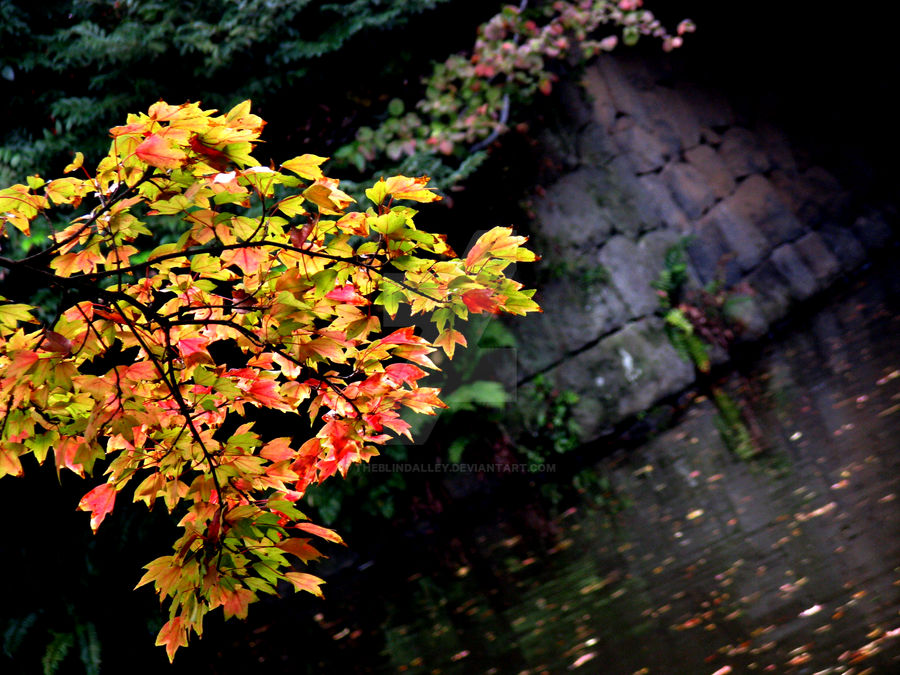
x=99, y=502
x=348, y=294
x=480, y=300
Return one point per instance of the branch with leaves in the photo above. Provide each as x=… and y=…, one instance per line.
x=467, y=98
x=271, y=298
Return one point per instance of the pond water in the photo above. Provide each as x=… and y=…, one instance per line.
x=785, y=563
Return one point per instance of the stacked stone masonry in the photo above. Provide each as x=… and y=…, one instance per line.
x=646, y=165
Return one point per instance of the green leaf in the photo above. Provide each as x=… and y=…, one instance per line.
x=324, y=281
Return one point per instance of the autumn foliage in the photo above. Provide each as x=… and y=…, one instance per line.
x=272, y=297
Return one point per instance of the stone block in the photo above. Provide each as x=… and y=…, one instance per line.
x=710, y=256
x=741, y=237
x=569, y=217
x=742, y=154
x=656, y=244
x=672, y=115
x=844, y=245
x=599, y=97
x=579, y=307
x=630, y=274
x=594, y=146
x=714, y=171
x=771, y=291
x=658, y=208
x=689, y=188
x=824, y=266
x=710, y=137
x=790, y=265
x=620, y=198
x=622, y=374
x=645, y=150
x=757, y=201
x=622, y=93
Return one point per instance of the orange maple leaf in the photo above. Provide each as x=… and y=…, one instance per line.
x=305, y=582
x=300, y=548
x=319, y=531
x=173, y=635
x=156, y=151
x=448, y=341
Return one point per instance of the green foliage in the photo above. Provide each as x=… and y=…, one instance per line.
x=549, y=423
x=673, y=277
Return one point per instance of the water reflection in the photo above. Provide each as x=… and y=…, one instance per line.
x=787, y=563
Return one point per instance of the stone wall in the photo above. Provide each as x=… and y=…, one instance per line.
x=645, y=164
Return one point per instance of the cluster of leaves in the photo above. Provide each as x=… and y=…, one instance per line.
x=468, y=97
x=70, y=68
x=269, y=300
x=551, y=428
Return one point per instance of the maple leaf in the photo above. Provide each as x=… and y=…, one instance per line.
x=9, y=463
x=157, y=151
x=300, y=548
x=217, y=159
x=236, y=602
x=498, y=242
x=75, y=163
x=325, y=194
x=305, y=582
x=405, y=372
x=348, y=294
x=402, y=187
x=173, y=635
x=448, y=341
x=480, y=300
x=265, y=392
x=246, y=258
x=319, y=531
x=306, y=166
x=99, y=502
x=84, y=261
x=277, y=450
x=354, y=223
x=191, y=346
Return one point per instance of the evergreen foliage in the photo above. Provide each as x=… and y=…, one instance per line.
x=69, y=69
